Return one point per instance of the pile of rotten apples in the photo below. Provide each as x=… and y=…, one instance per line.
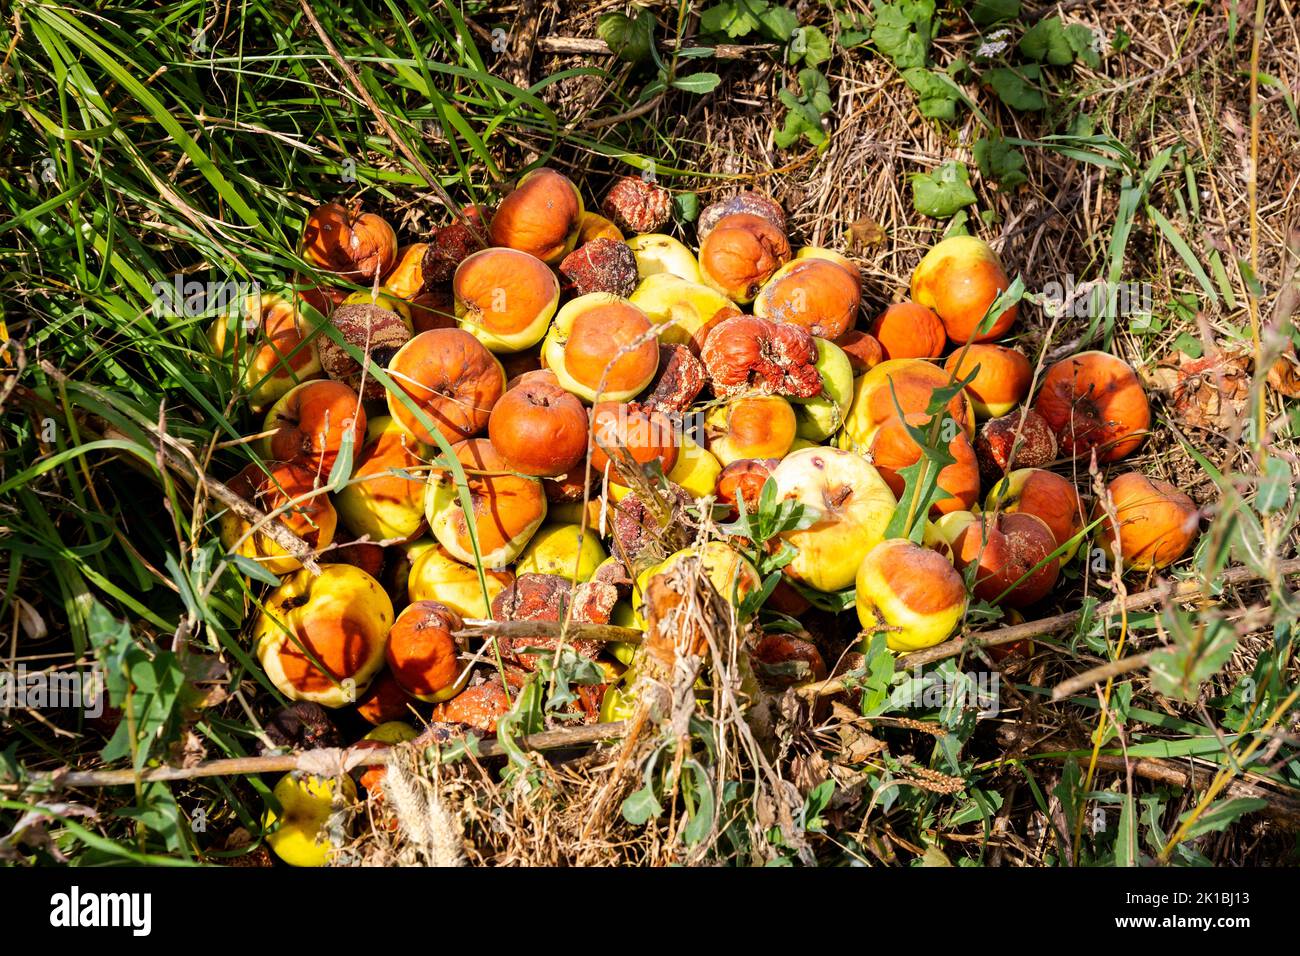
x=561, y=355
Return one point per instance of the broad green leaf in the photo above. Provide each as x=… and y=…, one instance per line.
x=941, y=193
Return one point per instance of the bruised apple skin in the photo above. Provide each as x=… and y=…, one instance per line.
x=1094, y=400
x=311, y=518
x=312, y=423
x=912, y=594
x=1157, y=523
x=620, y=429
x=740, y=254
x=854, y=505
x=600, y=347
x=505, y=298
x=384, y=500
x=424, y=652
x=1011, y=552
x=507, y=507
x=1046, y=495
x=357, y=246
x=341, y=618
x=816, y=294
x=376, y=332
x=960, y=278
x=452, y=378
x=541, y=217
x=539, y=428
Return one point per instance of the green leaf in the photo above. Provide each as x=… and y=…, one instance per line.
x=999, y=161
x=1221, y=815
x=686, y=206
x=641, y=806
x=1202, y=645
x=697, y=82
x=1047, y=42
x=810, y=45
x=779, y=23
x=987, y=12
x=1085, y=44
x=734, y=18
x=1014, y=87
x=628, y=39
x=1274, y=486
x=937, y=99
x=254, y=569
x=941, y=193
x=902, y=31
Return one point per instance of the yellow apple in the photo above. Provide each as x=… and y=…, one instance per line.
x=911, y=593
x=377, y=501
x=338, y=619
x=299, y=835
x=437, y=576
x=687, y=310
x=656, y=253
x=853, y=506
x=562, y=549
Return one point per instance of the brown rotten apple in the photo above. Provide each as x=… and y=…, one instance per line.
x=1157, y=523
x=754, y=204
x=312, y=423
x=452, y=378
x=740, y=254
x=358, y=246
x=1011, y=553
x=1046, y=495
x=1094, y=400
x=374, y=331
x=748, y=354
x=541, y=217
x=539, y=428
